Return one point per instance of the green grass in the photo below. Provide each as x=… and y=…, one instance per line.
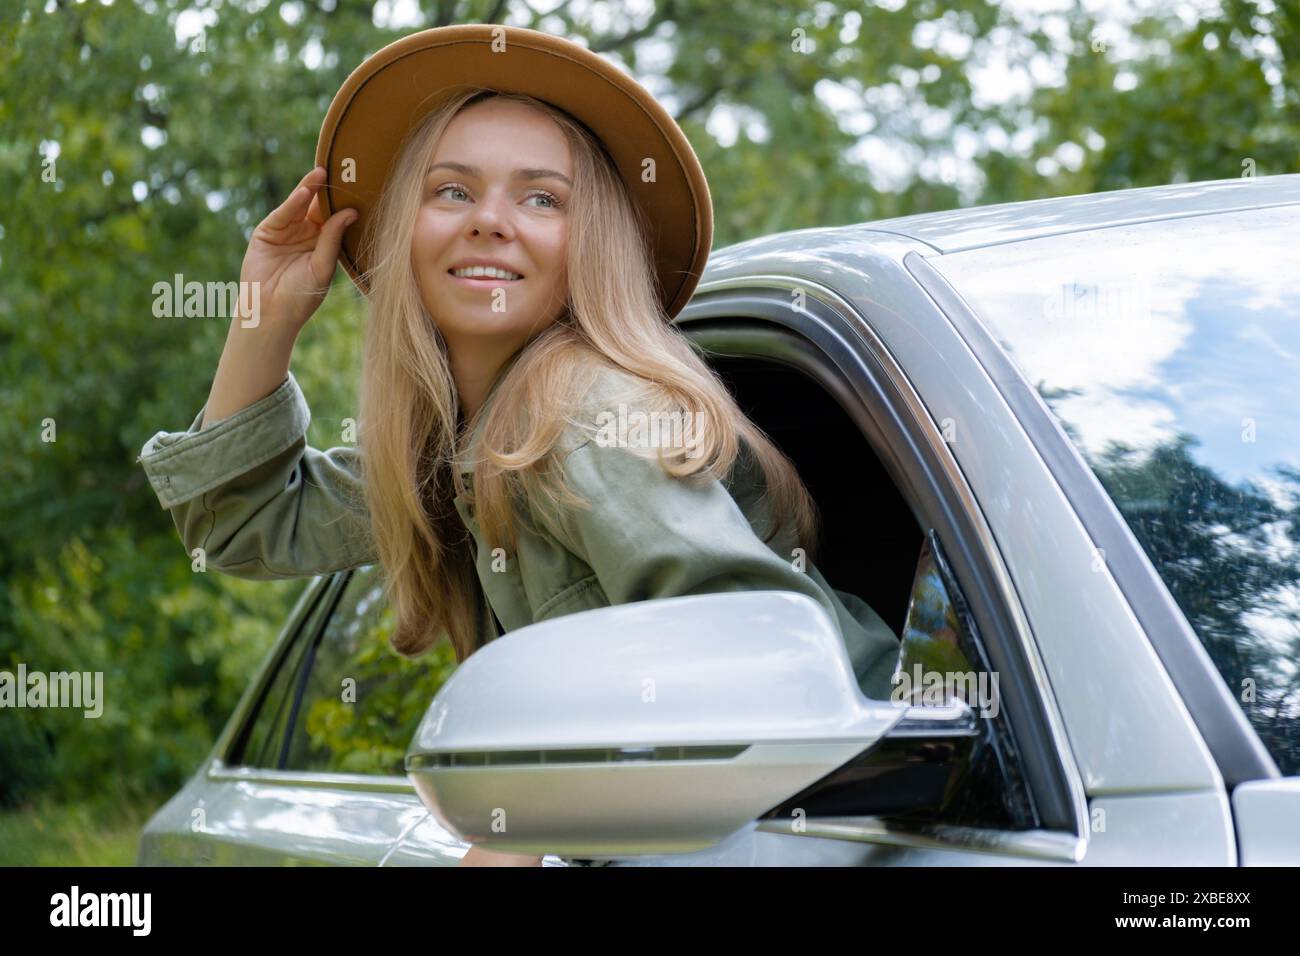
x=50, y=833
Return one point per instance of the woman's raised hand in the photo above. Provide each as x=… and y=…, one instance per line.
x=292, y=255
x=291, y=258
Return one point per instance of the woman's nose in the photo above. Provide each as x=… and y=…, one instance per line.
x=490, y=215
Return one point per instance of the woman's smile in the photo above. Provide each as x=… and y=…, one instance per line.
x=482, y=282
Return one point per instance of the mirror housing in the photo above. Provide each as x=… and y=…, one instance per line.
x=656, y=727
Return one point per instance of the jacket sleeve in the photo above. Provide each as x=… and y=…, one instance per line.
x=649, y=535
x=259, y=501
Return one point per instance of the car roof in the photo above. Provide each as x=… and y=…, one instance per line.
x=957, y=230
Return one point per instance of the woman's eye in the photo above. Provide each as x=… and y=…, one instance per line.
x=540, y=194
x=554, y=202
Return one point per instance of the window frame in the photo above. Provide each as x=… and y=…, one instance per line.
x=319, y=653
x=307, y=616
x=829, y=340
x=304, y=628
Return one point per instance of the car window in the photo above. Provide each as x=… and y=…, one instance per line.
x=869, y=536
x=1170, y=352
x=359, y=702
x=868, y=553
x=262, y=740
x=954, y=781
x=942, y=657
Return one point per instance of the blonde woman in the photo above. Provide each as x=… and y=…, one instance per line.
x=482, y=481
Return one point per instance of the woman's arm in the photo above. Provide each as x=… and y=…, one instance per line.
x=248, y=495
x=257, y=500
x=649, y=535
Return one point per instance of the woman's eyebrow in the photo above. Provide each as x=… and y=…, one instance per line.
x=528, y=173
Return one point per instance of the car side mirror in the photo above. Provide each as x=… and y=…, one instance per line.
x=654, y=727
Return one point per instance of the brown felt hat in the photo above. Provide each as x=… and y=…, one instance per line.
x=394, y=88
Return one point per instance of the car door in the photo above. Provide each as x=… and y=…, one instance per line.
x=911, y=544
x=309, y=769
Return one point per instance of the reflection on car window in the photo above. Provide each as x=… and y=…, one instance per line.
x=942, y=658
x=1170, y=354
x=930, y=644
x=362, y=700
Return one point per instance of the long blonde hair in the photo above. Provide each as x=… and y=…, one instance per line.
x=410, y=428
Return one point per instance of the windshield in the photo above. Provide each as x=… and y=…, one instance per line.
x=1170, y=354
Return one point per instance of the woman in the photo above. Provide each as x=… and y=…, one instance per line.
x=485, y=480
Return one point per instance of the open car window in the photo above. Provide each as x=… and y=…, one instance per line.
x=343, y=701
x=361, y=701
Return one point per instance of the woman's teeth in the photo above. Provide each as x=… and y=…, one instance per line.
x=485, y=272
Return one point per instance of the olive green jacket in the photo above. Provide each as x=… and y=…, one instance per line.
x=263, y=504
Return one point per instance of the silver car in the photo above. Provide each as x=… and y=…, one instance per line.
x=1055, y=444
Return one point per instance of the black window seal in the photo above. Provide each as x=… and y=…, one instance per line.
x=1237, y=750
x=305, y=625
x=308, y=662
x=249, y=709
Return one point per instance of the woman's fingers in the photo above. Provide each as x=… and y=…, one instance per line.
x=293, y=209
x=326, y=253
x=317, y=211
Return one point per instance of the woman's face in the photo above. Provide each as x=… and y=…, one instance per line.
x=497, y=190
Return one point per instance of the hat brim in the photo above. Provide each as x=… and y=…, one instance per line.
x=391, y=90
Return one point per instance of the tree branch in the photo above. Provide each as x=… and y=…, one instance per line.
x=666, y=11
x=706, y=97
x=446, y=12
x=701, y=100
